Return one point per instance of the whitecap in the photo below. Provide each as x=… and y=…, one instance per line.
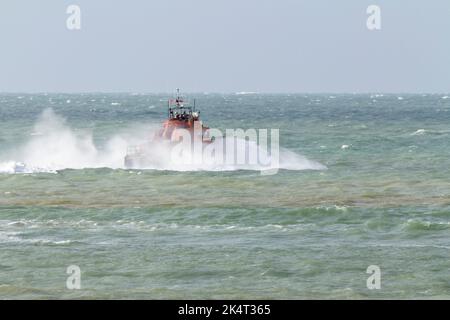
x=419, y=132
x=245, y=93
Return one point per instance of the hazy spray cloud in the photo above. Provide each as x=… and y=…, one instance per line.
x=227, y=46
x=54, y=145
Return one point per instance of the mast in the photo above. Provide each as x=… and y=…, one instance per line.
x=179, y=99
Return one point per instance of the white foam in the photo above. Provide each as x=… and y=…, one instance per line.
x=418, y=132
x=245, y=93
x=58, y=147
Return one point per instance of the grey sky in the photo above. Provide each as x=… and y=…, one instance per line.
x=225, y=46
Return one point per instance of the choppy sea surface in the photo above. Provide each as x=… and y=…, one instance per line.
x=367, y=182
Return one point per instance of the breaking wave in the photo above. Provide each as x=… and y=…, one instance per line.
x=54, y=146
x=431, y=132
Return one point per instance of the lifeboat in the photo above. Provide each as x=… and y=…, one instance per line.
x=181, y=118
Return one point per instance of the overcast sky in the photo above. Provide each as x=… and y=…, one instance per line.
x=225, y=46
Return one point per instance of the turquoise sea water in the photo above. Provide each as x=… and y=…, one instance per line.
x=383, y=199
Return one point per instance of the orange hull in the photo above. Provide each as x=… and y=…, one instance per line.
x=170, y=127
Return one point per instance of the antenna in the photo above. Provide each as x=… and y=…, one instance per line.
x=179, y=99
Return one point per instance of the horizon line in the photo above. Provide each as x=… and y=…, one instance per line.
x=225, y=92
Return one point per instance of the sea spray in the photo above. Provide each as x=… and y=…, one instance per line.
x=54, y=145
